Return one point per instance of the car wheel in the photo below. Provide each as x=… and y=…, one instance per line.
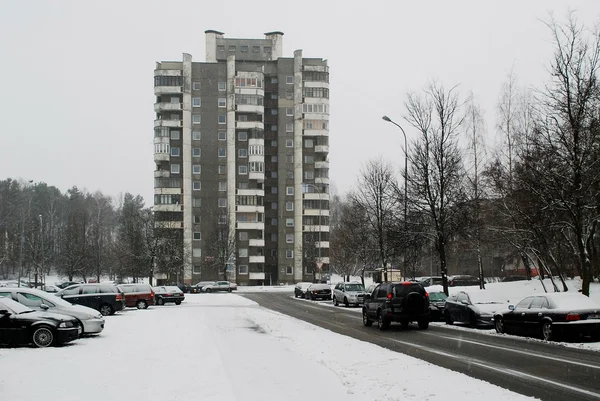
x=141, y=304
x=366, y=321
x=335, y=302
x=80, y=327
x=177, y=302
x=499, y=325
x=160, y=301
x=208, y=290
x=547, y=331
x=448, y=318
x=346, y=302
x=106, y=310
x=382, y=322
x=42, y=337
x=423, y=324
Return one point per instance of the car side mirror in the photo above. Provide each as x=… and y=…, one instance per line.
x=511, y=307
x=44, y=307
x=4, y=313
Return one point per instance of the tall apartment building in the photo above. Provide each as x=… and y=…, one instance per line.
x=241, y=146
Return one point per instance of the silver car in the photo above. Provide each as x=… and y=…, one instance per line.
x=92, y=322
x=219, y=286
x=349, y=294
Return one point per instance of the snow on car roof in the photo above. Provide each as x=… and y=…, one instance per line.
x=486, y=297
x=571, y=300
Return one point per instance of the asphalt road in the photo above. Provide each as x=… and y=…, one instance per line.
x=533, y=368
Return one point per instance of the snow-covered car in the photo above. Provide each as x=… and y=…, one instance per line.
x=168, y=293
x=90, y=320
x=300, y=289
x=349, y=294
x=551, y=316
x=476, y=307
x=225, y=286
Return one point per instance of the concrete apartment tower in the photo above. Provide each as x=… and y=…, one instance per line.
x=241, y=145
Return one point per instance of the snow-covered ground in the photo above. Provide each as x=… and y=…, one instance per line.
x=225, y=347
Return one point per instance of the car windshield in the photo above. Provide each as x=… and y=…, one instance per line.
x=50, y=298
x=437, y=296
x=354, y=287
x=485, y=297
x=16, y=307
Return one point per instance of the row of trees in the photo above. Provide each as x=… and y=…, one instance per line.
x=535, y=196
x=80, y=235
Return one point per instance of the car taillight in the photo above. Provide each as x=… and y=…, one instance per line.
x=389, y=296
x=152, y=294
x=426, y=295
x=572, y=317
x=314, y=292
x=167, y=295
x=119, y=297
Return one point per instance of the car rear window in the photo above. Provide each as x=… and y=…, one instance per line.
x=401, y=290
x=354, y=287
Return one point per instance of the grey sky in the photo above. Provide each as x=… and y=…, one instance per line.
x=76, y=106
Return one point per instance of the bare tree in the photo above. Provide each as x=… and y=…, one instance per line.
x=221, y=245
x=436, y=181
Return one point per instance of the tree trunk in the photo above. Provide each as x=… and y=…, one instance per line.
x=443, y=266
x=526, y=264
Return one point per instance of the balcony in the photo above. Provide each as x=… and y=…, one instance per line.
x=161, y=157
x=315, y=212
x=315, y=132
x=322, y=244
x=250, y=192
x=168, y=123
x=315, y=228
x=168, y=208
x=256, y=242
x=322, y=149
x=315, y=196
x=166, y=90
x=167, y=191
x=247, y=90
x=167, y=73
x=258, y=176
x=249, y=125
x=250, y=225
x=321, y=180
x=256, y=259
x=250, y=108
x=249, y=208
x=160, y=107
x=161, y=173
x=256, y=276
x=322, y=164
x=168, y=224
x=315, y=84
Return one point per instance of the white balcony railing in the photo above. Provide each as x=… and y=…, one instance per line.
x=165, y=90
x=160, y=107
x=256, y=259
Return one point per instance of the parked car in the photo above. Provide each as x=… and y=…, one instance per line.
x=50, y=288
x=219, y=286
x=476, y=308
x=185, y=288
x=66, y=284
x=462, y=281
x=300, y=289
x=551, y=316
x=318, y=291
x=168, y=293
x=197, y=288
x=90, y=320
x=403, y=302
x=104, y=297
x=514, y=278
x=137, y=295
x=22, y=325
x=437, y=303
x=434, y=280
x=349, y=294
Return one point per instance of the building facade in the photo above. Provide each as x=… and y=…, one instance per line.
x=241, y=145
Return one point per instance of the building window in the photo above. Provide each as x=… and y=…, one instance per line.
x=223, y=186
x=273, y=190
x=242, y=152
x=222, y=202
x=274, y=112
x=221, y=152
x=309, y=175
x=274, y=159
x=274, y=221
x=289, y=190
x=196, y=185
x=222, y=219
x=221, y=48
x=289, y=270
x=274, y=237
x=274, y=127
x=222, y=86
x=289, y=143
x=196, y=135
x=222, y=135
x=175, y=169
x=222, y=119
x=175, y=151
x=289, y=111
x=242, y=136
x=289, y=222
x=243, y=252
x=243, y=269
x=197, y=269
x=195, y=152
x=274, y=205
x=197, y=219
x=196, y=86
x=289, y=254
x=289, y=158
x=231, y=49
x=197, y=252
x=244, y=49
x=197, y=236
x=222, y=169
x=308, y=143
x=289, y=95
x=274, y=96
x=273, y=174
x=274, y=80
x=175, y=135
x=289, y=238
x=255, y=49
x=197, y=202
x=289, y=127
x=243, y=236
x=274, y=143
x=290, y=175
x=289, y=206
x=267, y=49
x=242, y=170
x=222, y=102
x=196, y=118
x=242, y=185
x=195, y=102
x=309, y=159
x=289, y=79
x=195, y=169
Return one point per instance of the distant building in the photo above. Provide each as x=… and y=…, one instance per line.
x=241, y=145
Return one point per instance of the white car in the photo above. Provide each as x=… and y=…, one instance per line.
x=349, y=294
x=220, y=286
x=92, y=322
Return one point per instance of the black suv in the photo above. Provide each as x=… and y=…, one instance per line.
x=399, y=302
x=104, y=297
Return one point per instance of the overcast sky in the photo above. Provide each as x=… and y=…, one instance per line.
x=76, y=102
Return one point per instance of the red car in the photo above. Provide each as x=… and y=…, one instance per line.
x=138, y=295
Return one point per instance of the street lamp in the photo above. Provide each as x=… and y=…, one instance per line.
x=320, y=215
x=389, y=120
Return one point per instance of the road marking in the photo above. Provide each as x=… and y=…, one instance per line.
x=510, y=372
x=552, y=358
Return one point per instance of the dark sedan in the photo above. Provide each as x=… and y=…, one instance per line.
x=476, y=308
x=165, y=294
x=300, y=289
x=551, y=316
x=20, y=325
x=318, y=291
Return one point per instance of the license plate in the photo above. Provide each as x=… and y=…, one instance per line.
x=596, y=316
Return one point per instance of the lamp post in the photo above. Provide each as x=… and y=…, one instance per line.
x=320, y=213
x=386, y=118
